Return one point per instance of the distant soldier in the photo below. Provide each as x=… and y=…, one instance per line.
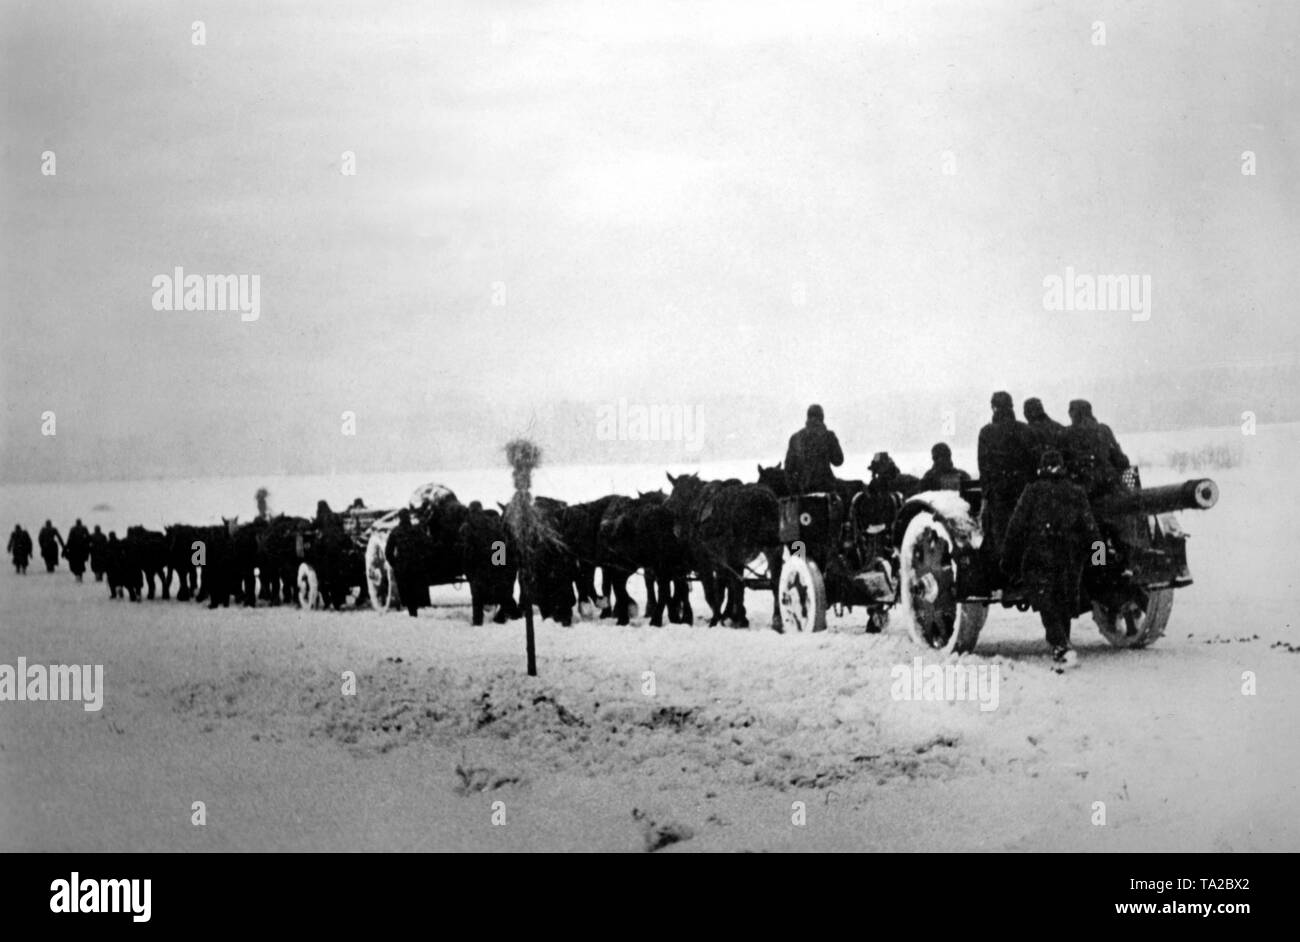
x=942, y=476
x=1092, y=455
x=114, y=563
x=886, y=478
x=51, y=545
x=1048, y=542
x=98, y=553
x=20, y=547
x=812, y=451
x=1045, y=432
x=408, y=553
x=77, y=549
x=1006, y=465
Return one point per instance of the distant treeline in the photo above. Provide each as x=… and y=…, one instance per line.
x=466, y=431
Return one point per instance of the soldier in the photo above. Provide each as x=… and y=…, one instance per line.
x=886, y=478
x=1048, y=542
x=1006, y=465
x=98, y=553
x=1092, y=454
x=51, y=544
x=20, y=547
x=942, y=476
x=813, y=450
x=1044, y=431
x=407, y=552
x=113, y=564
x=77, y=549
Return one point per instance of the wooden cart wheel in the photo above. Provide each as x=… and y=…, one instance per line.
x=379, y=575
x=801, y=594
x=308, y=587
x=928, y=594
x=1133, y=624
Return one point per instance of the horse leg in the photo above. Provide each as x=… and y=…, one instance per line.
x=622, y=601
x=651, y=600
x=476, y=603
x=736, y=583
x=664, y=600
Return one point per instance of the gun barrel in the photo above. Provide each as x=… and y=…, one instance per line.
x=1197, y=494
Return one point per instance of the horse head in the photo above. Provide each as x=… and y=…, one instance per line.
x=774, y=479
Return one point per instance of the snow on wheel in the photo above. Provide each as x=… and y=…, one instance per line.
x=308, y=587
x=1134, y=625
x=801, y=594
x=379, y=576
x=928, y=593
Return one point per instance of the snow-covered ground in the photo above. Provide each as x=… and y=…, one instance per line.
x=744, y=735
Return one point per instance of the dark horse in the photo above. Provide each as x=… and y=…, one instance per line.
x=724, y=525
x=639, y=533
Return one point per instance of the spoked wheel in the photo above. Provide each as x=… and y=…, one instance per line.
x=308, y=587
x=1135, y=624
x=928, y=593
x=801, y=594
x=379, y=577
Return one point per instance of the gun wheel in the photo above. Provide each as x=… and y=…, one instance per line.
x=308, y=587
x=1135, y=624
x=379, y=577
x=801, y=594
x=928, y=591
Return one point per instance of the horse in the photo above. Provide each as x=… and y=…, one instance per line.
x=724, y=525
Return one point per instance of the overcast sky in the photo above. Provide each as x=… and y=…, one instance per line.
x=655, y=185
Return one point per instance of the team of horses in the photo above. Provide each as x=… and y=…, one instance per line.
x=712, y=531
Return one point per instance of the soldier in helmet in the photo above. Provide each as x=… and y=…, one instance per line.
x=942, y=476
x=1044, y=431
x=1049, y=540
x=1006, y=465
x=1092, y=455
x=813, y=450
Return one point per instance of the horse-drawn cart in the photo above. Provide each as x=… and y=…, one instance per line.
x=839, y=554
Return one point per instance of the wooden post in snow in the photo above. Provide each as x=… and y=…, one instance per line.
x=527, y=530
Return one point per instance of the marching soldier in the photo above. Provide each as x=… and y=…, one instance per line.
x=812, y=451
x=20, y=547
x=1049, y=540
x=77, y=549
x=407, y=552
x=51, y=542
x=1006, y=465
x=98, y=553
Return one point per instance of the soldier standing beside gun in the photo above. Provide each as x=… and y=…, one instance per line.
x=1045, y=432
x=1092, y=454
x=1048, y=542
x=1006, y=466
x=812, y=451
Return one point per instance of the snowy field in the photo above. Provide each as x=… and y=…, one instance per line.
x=750, y=740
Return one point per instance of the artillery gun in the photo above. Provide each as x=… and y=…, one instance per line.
x=949, y=579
